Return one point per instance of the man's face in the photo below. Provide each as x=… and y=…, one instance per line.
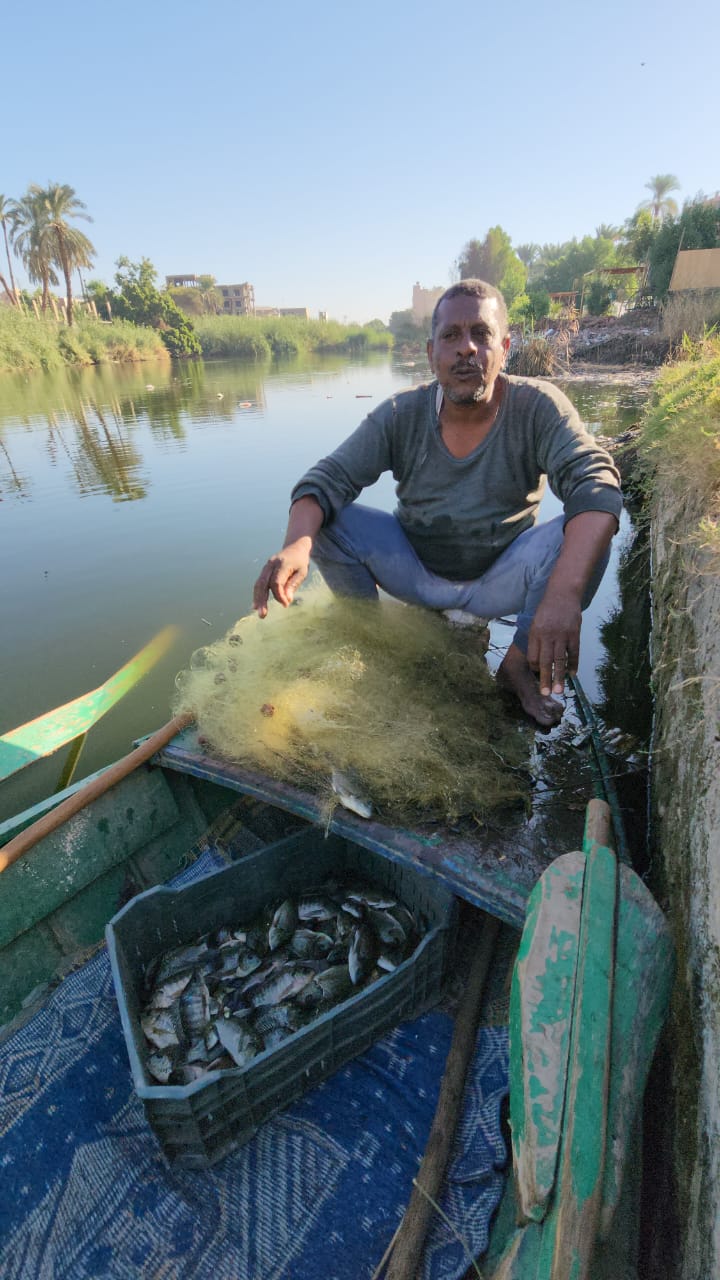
x=468, y=350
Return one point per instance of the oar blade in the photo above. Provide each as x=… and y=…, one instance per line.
x=47, y=733
x=571, y=1227
x=541, y=1011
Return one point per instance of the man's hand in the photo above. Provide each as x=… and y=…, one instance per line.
x=282, y=575
x=285, y=572
x=554, y=640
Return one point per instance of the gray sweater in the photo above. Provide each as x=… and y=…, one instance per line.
x=460, y=513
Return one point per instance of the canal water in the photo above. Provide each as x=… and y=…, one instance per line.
x=140, y=497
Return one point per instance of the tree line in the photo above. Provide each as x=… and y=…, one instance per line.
x=39, y=228
x=528, y=274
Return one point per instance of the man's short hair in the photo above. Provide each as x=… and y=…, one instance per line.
x=472, y=289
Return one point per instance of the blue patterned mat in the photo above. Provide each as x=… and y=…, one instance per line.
x=318, y=1192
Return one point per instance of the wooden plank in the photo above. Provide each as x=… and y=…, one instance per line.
x=84, y=795
x=47, y=733
x=119, y=824
x=571, y=1227
x=541, y=1007
x=494, y=872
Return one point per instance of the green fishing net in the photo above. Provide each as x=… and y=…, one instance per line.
x=384, y=693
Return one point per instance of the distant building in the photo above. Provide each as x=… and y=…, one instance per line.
x=237, y=299
x=302, y=312
x=181, y=282
x=423, y=301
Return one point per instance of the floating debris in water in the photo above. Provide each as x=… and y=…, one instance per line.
x=217, y=1002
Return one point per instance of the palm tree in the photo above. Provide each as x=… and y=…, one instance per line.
x=69, y=248
x=7, y=218
x=661, y=205
x=30, y=243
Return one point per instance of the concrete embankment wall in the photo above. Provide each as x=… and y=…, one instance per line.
x=686, y=836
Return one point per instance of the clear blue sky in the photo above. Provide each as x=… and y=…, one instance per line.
x=333, y=154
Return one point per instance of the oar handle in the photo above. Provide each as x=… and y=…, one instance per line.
x=410, y=1240
x=598, y=826
x=21, y=843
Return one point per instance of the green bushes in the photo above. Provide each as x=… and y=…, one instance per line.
x=681, y=432
x=255, y=338
x=225, y=336
x=30, y=343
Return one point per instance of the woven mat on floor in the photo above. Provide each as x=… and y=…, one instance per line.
x=318, y=1191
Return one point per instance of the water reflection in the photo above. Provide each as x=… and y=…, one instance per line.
x=95, y=418
x=606, y=408
x=137, y=497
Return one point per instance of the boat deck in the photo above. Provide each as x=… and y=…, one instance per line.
x=493, y=865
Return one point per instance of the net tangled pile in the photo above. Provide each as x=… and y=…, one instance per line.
x=387, y=693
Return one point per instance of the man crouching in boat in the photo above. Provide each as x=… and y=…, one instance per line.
x=470, y=452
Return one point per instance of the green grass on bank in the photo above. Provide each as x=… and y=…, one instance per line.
x=29, y=343
x=254, y=338
x=681, y=433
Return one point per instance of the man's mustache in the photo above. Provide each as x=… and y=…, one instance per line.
x=466, y=367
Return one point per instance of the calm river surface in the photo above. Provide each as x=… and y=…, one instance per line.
x=140, y=496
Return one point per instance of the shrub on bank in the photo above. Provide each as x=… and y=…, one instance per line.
x=30, y=343
x=681, y=432
x=260, y=338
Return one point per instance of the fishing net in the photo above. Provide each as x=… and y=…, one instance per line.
x=388, y=694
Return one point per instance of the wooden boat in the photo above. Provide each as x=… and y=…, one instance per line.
x=590, y=983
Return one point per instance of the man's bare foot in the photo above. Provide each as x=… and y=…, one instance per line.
x=515, y=675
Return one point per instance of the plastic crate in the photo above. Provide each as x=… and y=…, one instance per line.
x=199, y=1123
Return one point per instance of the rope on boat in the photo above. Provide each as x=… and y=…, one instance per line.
x=604, y=776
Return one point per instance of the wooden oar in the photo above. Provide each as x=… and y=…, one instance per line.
x=69, y=723
x=542, y=997
x=560, y=1026
x=589, y=997
x=21, y=843
x=407, y=1251
x=571, y=1228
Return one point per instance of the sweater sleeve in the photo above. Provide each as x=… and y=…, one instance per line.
x=580, y=472
x=336, y=481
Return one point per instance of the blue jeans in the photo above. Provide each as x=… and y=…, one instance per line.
x=363, y=549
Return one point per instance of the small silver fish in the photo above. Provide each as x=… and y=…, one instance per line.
x=180, y=959
x=161, y=1028
x=160, y=1066
x=387, y=928
x=349, y=792
x=369, y=896
x=283, y=924
x=285, y=1016
x=307, y=943
x=316, y=906
x=363, y=953
x=195, y=1007
x=241, y=1044
x=335, y=983
x=281, y=986
x=189, y=1072
x=168, y=992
